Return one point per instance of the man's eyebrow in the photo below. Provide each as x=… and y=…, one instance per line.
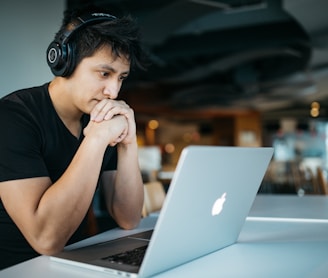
x=109, y=68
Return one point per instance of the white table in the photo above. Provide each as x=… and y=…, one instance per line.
x=291, y=206
x=274, y=242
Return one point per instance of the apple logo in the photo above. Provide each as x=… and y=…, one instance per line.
x=218, y=204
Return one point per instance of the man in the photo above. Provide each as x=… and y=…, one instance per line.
x=61, y=140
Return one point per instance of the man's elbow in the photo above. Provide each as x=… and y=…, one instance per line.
x=129, y=225
x=48, y=246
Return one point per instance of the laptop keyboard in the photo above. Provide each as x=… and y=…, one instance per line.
x=132, y=257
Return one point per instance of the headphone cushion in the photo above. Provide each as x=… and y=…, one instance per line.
x=58, y=58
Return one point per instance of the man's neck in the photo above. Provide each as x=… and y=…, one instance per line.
x=62, y=104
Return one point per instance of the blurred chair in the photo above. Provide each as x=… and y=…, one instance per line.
x=310, y=176
x=322, y=182
x=305, y=180
x=154, y=197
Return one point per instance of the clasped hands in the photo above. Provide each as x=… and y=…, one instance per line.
x=112, y=120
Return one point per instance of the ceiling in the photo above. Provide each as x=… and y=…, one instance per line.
x=214, y=57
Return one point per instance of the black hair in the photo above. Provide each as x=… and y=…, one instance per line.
x=122, y=34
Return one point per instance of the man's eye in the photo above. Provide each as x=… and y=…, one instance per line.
x=123, y=77
x=104, y=74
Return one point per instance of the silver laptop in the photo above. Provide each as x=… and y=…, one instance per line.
x=208, y=200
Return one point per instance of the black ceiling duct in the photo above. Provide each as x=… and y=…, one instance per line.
x=271, y=49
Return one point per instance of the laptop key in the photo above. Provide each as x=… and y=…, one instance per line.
x=132, y=257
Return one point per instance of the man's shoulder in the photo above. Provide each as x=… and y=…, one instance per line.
x=25, y=94
x=28, y=98
x=25, y=107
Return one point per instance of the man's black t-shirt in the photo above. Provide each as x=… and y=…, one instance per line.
x=34, y=142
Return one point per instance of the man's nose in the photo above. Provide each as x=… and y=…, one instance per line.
x=112, y=89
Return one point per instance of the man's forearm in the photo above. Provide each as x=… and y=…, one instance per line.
x=128, y=191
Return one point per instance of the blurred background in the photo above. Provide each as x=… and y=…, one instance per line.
x=223, y=72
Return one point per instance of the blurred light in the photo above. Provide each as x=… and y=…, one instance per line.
x=314, y=112
x=315, y=105
x=315, y=109
x=153, y=124
x=169, y=148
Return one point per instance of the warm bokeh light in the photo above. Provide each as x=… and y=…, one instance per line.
x=169, y=148
x=315, y=109
x=315, y=105
x=153, y=124
x=314, y=112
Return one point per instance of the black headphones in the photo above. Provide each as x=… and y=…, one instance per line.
x=60, y=55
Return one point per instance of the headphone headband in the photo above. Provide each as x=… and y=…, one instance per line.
x=60, y=56
x=83, y=21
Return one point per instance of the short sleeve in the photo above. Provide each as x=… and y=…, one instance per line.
x=20, y=144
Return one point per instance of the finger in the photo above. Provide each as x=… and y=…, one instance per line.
x=117, y=110
x=107, y=109
x=107, y=112
x=99, y=107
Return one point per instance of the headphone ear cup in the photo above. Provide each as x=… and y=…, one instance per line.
x=60, y=53
x=58, y=58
